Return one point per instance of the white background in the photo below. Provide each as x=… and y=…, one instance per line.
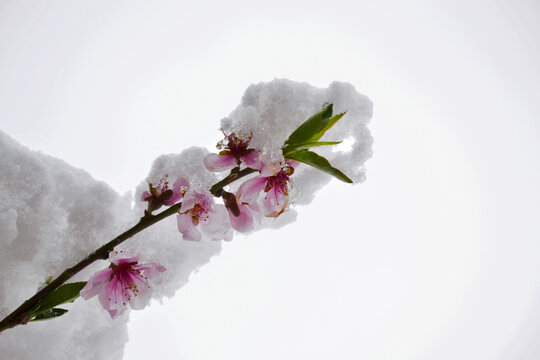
x=435, y=256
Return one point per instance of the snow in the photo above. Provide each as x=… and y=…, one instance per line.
x=55, y=215
x=52, y=214
x=271, y=111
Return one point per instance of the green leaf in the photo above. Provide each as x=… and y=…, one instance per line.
x=308, y=134
x=318, y=162
x=311, y=127
x=49, y=314
x=63, y=294
x=294, y=148
x=333, y=120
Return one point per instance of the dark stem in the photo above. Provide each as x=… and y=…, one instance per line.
x=235, y=174
x=20, y=315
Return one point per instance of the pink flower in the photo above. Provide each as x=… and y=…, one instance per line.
x=245, y=221
x=275, y=185
x=241, y=215
x=199, y=214
x=162, y=195
x=235, y=151
x=124, y=282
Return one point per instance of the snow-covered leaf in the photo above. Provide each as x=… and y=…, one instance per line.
x=50, y=314
x=63, y=294
x=311, y=128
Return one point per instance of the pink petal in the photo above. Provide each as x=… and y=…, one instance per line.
x=255, y=212
x=274, y=203
x=114, y=313
x=180, y=184
x=126, y=282
x=145, y=195
x=96, y=283
x=252, y=160
x=215, y=162
x=242, y=222
x=192, y=197
x=139, y=300
x=178, y=187
x=187, y=228
x=138, y=291
x=269, y=169
x=112, y=298
x=249, y=191
x=293, y=163
x=217, y=226
x=150, y=270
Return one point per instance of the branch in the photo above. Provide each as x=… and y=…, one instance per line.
x=20, y=315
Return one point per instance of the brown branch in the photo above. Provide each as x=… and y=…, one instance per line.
x=21, y=314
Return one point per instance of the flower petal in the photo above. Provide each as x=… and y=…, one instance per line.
x=179, y=187
x=293, y=163
x=145, y=195
x=274, y=203
x=150, y=270
x=249, y=191
x=215, y=162
x=270, y=169
x=217, y=226
x=96, y=283
x=244, y=221
x=139, y=300
x=124, y=282
x=112, y=298
x=137, y=290
x=190, y=199
x=255, y=212
x=187, y=228
x=252, y=160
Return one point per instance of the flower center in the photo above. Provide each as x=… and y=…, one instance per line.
x=234, y=145
x=279, y=181
x=123, y=268
x=127, y=276
x=199, y=212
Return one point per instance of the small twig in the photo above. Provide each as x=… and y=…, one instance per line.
x=21, y=314
x=235, y=174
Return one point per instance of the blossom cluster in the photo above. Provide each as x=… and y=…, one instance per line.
x=265, y=193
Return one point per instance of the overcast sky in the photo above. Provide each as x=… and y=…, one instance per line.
x=435, y=256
